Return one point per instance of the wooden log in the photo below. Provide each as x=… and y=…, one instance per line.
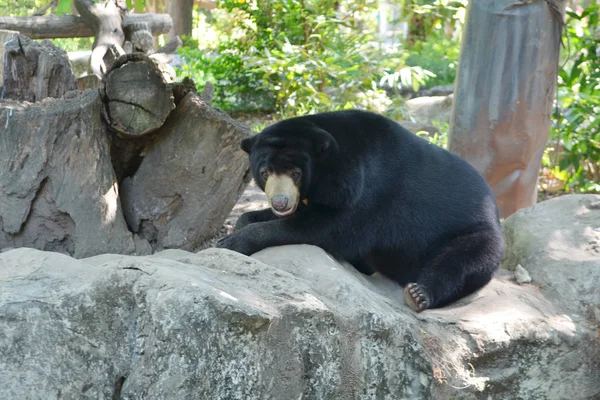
x=4, y=37
x=106, y=20
x=192, y=173
x=72, y=26
x=137, y=96
x=36, y=70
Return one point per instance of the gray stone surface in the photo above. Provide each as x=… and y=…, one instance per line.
x=58, y=190
x=429, y=109
x=287, y=323
x=558, y=242
x=192, y=174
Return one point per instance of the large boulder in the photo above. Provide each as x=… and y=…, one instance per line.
x=287, y=323
x=430, y=109
x=558, y=242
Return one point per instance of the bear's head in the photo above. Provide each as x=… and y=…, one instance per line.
x=285, y=159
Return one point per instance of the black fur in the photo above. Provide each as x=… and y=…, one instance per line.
x=381, y=198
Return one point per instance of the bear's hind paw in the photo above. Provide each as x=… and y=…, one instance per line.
x=415, y=297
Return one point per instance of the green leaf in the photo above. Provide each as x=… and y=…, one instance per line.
x=63, y=7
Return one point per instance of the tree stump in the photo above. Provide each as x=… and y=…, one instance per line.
x=137, y=96
x=35, y=71
x=64, y=174
x=190, y=178
x=58, y=190
x=5, y=36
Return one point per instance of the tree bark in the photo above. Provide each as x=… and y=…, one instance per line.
x=190, y=178
x=5, y=36
x=106, y=19
x=181, y=14
x=137, y=96
x=57, y=185
x=504, y=92
x=72, y=26
x=35, y=71
x=64, y=175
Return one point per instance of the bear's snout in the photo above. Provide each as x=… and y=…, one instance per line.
x=280, y=202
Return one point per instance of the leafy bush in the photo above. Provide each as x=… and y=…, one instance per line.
x=574, y=155
x=298, y=57
x=438, y=54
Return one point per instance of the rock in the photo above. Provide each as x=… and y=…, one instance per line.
x=58, y=190
x=190, y=178
x=521, y=275
x=36, y=70
x=416, y=127
x=288, y=323
x=559, y=242
x=443, y=90
x=429, y=109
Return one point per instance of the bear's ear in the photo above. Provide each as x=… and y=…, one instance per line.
x=324, y=143
x=247, y=143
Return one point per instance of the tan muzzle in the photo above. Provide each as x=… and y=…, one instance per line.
x=282, y=194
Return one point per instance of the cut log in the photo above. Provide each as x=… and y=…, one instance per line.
x=57, y=185
x=137, y=96
x=71, y=26
x=190, y=178
x=35, y=71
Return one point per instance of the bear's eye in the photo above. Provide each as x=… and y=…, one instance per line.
x=264, y=175
x=296, y=175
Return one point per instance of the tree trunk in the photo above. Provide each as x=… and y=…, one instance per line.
x=106, y=18
x=181, y=14
x=504, y=92
x=35, y=70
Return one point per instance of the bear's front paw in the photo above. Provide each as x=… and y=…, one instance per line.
x=243, y=221
x=236, y=243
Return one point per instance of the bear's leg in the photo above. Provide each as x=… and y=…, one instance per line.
x=455, y=268
x=252, y=217
x=313, y=228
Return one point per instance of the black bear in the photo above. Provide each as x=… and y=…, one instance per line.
x=368, y=191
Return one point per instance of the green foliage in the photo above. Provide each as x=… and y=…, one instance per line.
x=298, y=57
x=63, y=7
x=438, y=54
x=20, y=7
x=576, y=129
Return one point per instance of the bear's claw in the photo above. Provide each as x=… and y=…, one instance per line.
x=415, y=297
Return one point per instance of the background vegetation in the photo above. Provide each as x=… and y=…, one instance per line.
x=271, y=59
